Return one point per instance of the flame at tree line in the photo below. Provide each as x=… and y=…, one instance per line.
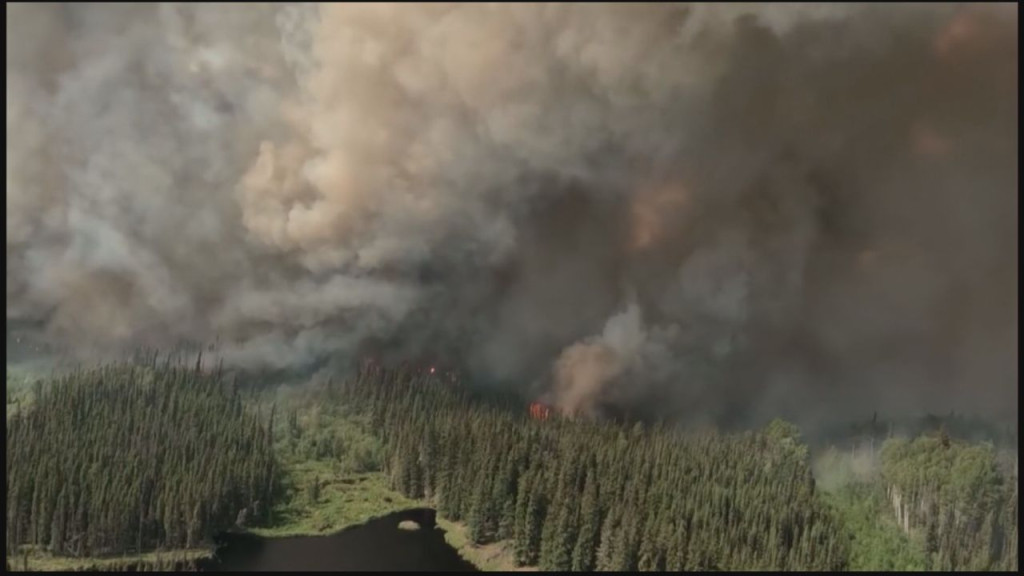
x=539, y=411
x=660, y=498
x=670, y=499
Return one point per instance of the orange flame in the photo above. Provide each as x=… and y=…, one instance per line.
x=539, y=411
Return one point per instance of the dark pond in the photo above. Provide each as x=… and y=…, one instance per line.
x=377, y=545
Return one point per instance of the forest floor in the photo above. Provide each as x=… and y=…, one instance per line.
x=31, y=560
x=344, y=500
x=494, y=557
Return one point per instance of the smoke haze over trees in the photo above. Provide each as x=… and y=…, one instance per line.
x=728, y=211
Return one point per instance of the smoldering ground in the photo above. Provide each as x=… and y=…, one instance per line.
x=726, y=211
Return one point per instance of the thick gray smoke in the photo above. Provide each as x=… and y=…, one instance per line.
x=725, y=211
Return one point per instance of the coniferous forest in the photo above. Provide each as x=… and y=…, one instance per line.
x=149, y=456
x=131, y=458
x=590, y=496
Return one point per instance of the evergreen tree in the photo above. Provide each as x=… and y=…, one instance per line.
x=127, y=458
x=585, y=551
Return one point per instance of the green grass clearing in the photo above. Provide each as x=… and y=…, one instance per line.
x=344, y=500
x=34, y=560
x=494, y=557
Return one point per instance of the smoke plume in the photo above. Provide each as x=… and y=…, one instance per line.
x=725, y=212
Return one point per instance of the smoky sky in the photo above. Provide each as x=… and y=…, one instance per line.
x=725, y=211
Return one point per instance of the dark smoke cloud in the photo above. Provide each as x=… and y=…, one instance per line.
x=725, y=211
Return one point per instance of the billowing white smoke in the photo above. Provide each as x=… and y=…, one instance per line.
x=814, y=205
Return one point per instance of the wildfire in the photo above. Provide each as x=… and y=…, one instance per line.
x=539, y=411
x=372, y=365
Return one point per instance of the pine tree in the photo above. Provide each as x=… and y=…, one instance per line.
x=585, y=551
x=521, y=526
x=609, y=549
x=480, y=525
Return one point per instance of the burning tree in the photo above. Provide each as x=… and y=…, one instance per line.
x=539, y=411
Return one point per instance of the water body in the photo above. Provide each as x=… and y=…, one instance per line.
x=377, y=545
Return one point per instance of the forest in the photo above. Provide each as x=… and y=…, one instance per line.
x=133, y=457
x=586, y=496
x=150, y=456
x=957, y=496
x=581, y=495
